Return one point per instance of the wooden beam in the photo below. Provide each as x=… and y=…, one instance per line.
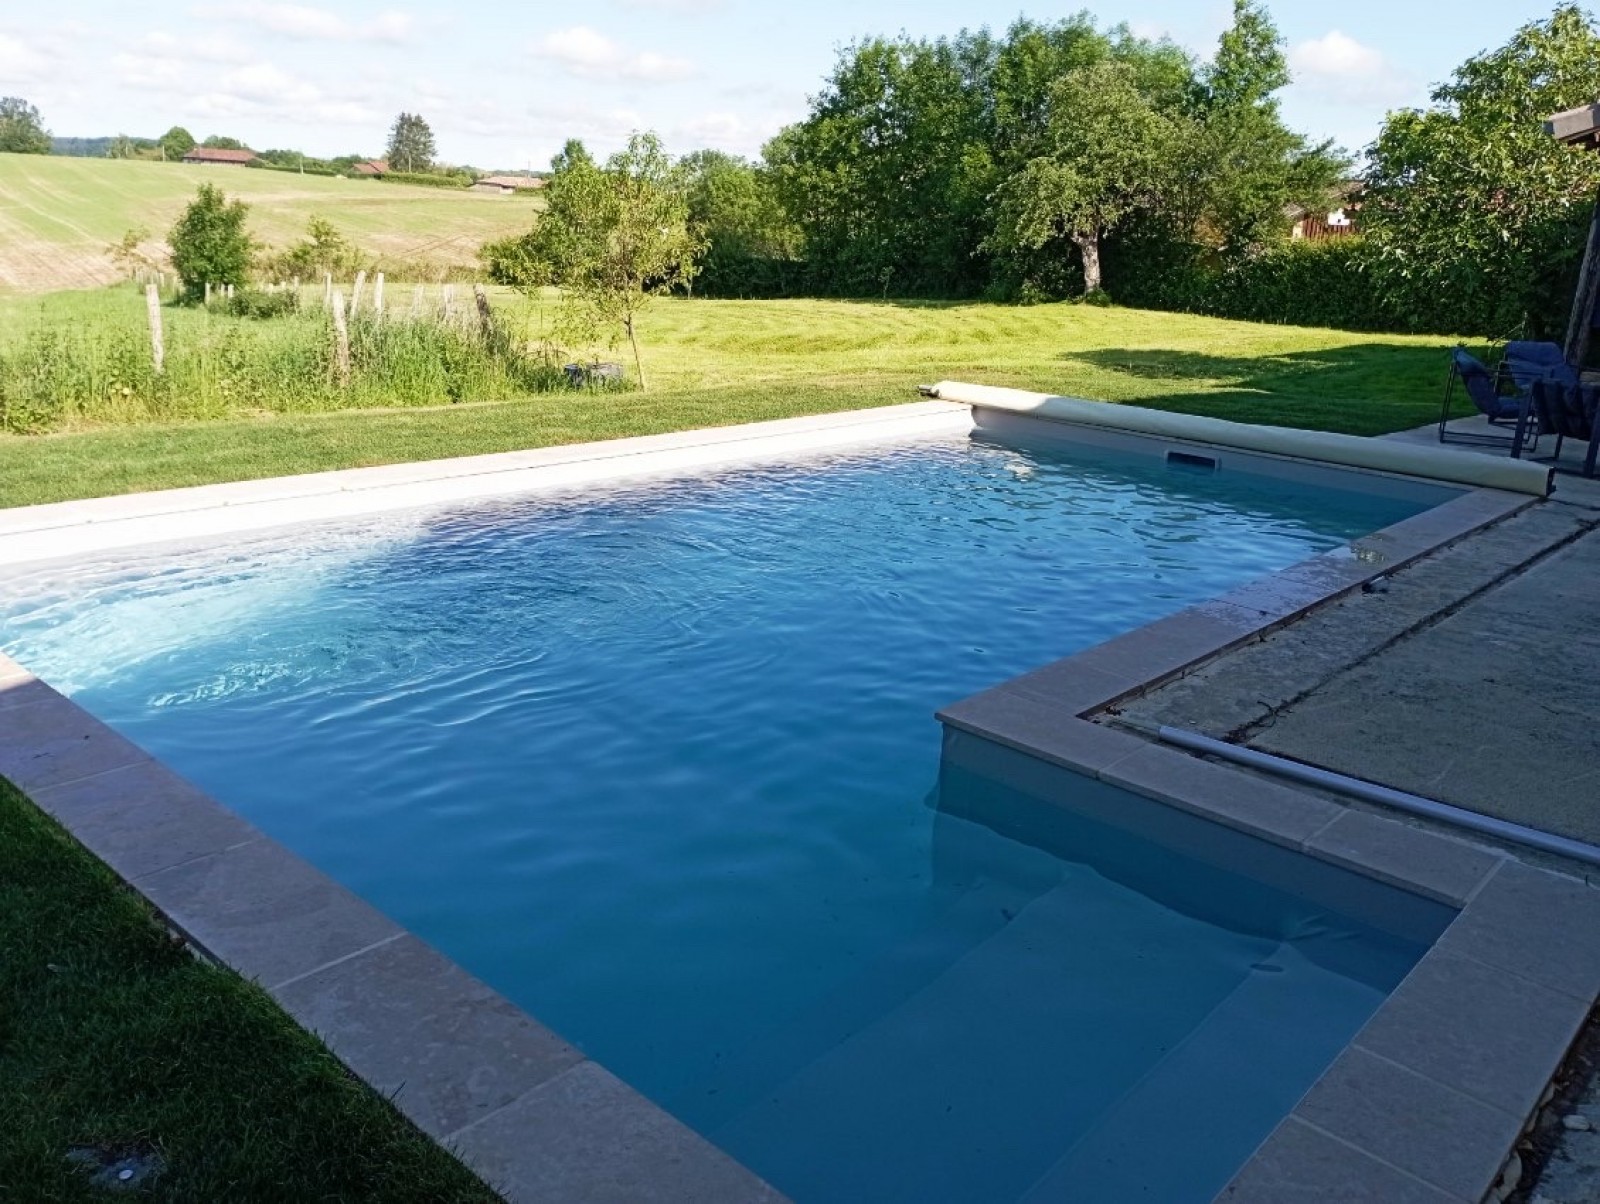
x=1581, y=325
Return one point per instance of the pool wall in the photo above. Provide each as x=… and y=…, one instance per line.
x=1423, y=1106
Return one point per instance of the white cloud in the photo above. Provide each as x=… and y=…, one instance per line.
x=588, y=53
x=21, y=61
x=1339, y=67
x=306, y=23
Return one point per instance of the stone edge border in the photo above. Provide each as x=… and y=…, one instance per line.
x=1431, y=1097
x=67, y=530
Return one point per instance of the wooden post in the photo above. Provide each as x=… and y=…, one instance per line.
x=355, y=293
x=208, y=294
x=327, y=290
x=485, y=318
x=377, y=295
x=416, y=303
x=1581, y=326
x=449, y=301
x=158, y=349
x=341, y=340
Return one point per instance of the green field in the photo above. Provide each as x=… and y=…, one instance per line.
x=59, y=216
x=719, y=362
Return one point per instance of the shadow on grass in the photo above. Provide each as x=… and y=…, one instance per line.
x=1359, y=389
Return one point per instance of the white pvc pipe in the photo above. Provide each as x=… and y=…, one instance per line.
x=1412, y=804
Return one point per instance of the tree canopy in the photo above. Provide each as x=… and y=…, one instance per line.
x=1474, y=212
x=176, y=143
x=411, y=146
x=1001, y=161
x=22, y=130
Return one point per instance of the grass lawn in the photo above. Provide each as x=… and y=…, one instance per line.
x=719, y=362
x=59, y=216
x=113, y=1038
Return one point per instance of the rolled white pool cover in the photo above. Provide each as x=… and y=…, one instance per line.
x=1353, y=451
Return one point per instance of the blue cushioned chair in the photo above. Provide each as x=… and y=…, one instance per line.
x=1490, y=392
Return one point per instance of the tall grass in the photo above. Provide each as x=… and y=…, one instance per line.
x=57, y=377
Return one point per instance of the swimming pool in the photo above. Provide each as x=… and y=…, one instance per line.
x=660, y=764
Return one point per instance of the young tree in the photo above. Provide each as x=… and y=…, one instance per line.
x=21, y=130
x=612, y=238
x=176, y=143
x=210, y=244
x=411, y=147
x=1476, y=216
x=1109, y=155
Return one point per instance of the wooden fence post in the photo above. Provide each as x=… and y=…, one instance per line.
x=416, y=303
x=377, y=295
x=158, y=349
x=449, y=301
x=355, y=293
x=327, y=290
x=485, y=318
x=208, y=294
x=341, y=340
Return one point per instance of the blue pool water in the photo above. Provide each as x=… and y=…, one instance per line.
x=660, y=764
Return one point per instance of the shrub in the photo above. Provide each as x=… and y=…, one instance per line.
x=428, y=179
x=260, y=304
x=210, y=244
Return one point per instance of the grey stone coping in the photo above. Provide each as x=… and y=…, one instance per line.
x=1429, y=1100
x=532, y=1115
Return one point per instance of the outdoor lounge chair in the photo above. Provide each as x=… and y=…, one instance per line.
x=1489, y=393
x=1528, y=362
x=1568, y=412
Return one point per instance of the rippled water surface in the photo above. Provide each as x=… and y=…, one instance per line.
x=660, y=763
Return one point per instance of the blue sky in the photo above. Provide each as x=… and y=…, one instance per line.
x=503, y=84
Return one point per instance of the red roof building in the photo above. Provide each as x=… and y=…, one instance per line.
x=216, y=156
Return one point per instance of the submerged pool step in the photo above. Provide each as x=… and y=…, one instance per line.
x=974, y=1086
x=1175, y=1107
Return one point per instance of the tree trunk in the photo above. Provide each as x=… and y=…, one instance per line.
x=638, y=363
x=1089, y=248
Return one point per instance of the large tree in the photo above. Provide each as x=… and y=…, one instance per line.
x=210, y=244
x=176, y=143
x=411, y=146
x=611, y=238
x=1475, y=215
x=1107, y=155
x=21, y=130
x=751, y=246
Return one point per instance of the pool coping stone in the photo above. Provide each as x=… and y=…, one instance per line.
x=554, y=1124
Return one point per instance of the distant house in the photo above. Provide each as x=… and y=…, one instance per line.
x=507, y=185
x=372, y=168
x=217, y=157
x=1335, y=222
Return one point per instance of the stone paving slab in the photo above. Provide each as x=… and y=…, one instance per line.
x=1495, y=708
x=584, y=1137
x=446, y=1048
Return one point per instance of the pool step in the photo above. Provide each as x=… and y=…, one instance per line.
x=973, y=1086
x=1254, y=1045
